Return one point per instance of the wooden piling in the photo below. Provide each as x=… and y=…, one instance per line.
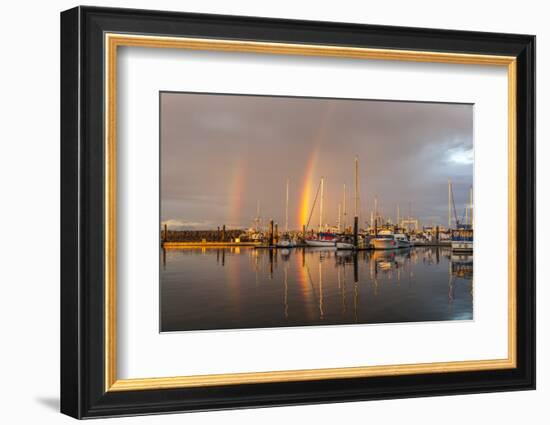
x=276, y=233
x=165, y=234
x=223, y=233
x=270, y=232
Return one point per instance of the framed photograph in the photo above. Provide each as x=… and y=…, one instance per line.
x=261, y=212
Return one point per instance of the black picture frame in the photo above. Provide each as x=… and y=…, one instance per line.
x=83, y=392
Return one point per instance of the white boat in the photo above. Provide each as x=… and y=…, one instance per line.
x=285, y=243
x=344, y=245
x=388, y=240
x=462, y=239
x=320, y=243
x=324, y=239
x=462, y=246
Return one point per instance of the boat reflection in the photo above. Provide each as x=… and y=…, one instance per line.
x=461, y=270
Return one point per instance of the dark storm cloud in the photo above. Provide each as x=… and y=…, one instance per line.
x=220, y=154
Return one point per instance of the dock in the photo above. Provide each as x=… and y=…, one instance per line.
x=180, y=245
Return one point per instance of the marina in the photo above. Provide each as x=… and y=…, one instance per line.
x=382, y=233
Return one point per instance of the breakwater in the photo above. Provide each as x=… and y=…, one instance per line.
x=200, y=235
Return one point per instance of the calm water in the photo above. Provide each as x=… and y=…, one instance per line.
x=235, y=288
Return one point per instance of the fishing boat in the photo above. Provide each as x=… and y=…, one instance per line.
x=389, y=240
x=462, y=238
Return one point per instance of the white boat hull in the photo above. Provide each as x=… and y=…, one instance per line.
x=314, y=243
x=344, y=245
x=285, y=244
x=462, y=246
x=389, y=244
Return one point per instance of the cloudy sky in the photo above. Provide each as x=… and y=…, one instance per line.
x=222, y=154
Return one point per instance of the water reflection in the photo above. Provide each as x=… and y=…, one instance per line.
x=234, y=288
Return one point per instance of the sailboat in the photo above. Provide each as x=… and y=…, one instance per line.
x=323, y=239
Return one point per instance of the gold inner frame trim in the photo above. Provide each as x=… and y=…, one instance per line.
x=113, y=41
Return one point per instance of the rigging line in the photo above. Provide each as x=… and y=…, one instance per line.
x=313, y=207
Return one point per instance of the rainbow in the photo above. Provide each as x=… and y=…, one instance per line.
x=307, y=189
x=236, y=193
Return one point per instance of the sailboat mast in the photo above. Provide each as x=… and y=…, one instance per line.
x=339, y=216
x=356, y=210
x=321, y=205
x=344, y=208
x=286, y=208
